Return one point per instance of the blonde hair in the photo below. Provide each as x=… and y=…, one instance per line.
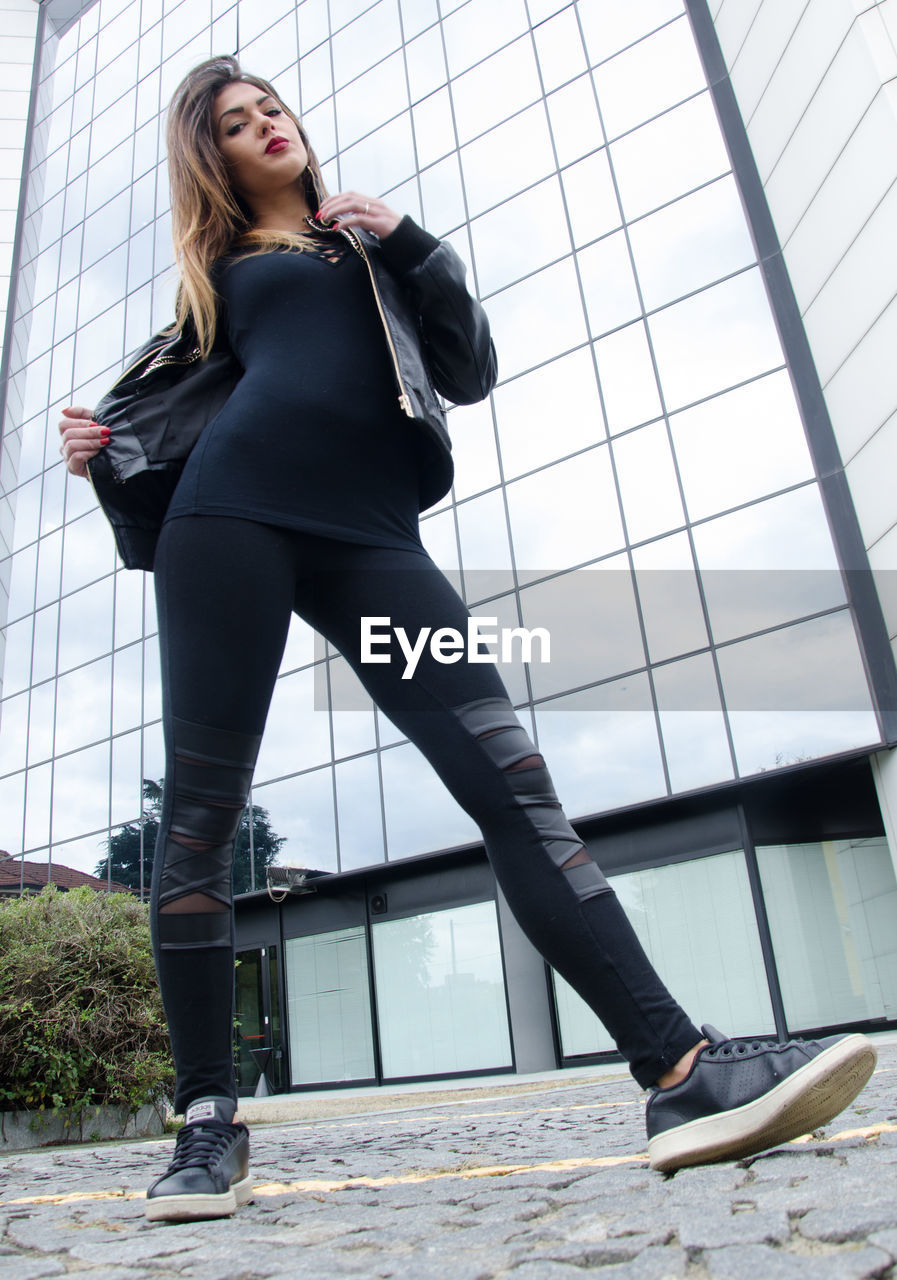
x=207, y=216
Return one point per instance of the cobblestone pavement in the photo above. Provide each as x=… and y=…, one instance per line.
x=547, y=1185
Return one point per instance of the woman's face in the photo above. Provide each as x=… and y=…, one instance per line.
x=259, y=143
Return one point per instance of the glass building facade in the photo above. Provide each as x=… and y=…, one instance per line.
x=640, y=485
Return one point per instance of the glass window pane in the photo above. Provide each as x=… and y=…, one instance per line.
x=125, y=795
x=495, y=89
x=418, y=14
x=649, y=77
x=297, y=735
x=442, y=196
x=420, y=813
x=382, y=160
x=608, y=283
x=41, y=714
x=674, y=154
x=548, y=413
x=503, y=256
x=359, y=812
x=43, y=654
x=483, y=534
x=716, y=974
x=85, y=625
x=434, y=130
x=784, y=706
x=715, y=339
x=566, y=514
x=601, y=746
x=329, y=1007
x=507, y=159
x=473, y=445
x=575, y=121
x=425, y=60
x=649, y=486
x=741, y=445
x=439, y=538
x=479, y=28
x=691, y=243
x=358, y=46
x=315, y=77
x=83, y=700
x=383, y=85
x=81, y=793
x=628, y=381
x=13, y=732
x=127, y=685
x=17, y=655
x=89, y=551
x=692, y=723
x=301, y=809
x=274, y=50
x=37, y=807
x=442, y=971
x=591, y=199
x=12, y=807
x=592, y=619
x=518, y=316
x=502, y=613
x=767, y=564
x=353, y=710
x=559, y=48
x=669, y=597
x=611, y=27
x=831, y=909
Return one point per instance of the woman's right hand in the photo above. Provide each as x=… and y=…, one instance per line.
x=82, y=438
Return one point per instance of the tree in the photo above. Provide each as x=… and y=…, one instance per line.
x=123, y=861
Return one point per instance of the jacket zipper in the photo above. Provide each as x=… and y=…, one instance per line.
x=355, y=242
x=155, y=363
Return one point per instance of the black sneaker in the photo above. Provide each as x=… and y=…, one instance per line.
x=742, y=1096
x=209, y=1175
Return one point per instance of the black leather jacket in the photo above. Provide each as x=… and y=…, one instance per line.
x=439, y=342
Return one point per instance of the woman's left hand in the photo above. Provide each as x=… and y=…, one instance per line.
x=351, y=209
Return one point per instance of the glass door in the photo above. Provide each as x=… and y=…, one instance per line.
x=259, y=1022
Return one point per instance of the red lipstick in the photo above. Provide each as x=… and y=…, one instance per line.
x=276, y=144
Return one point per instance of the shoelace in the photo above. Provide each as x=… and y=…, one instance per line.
x=200, y=1144
x=741, y=1047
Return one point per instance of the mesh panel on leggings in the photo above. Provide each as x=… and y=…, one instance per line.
x=212, y=774
x=493, y=723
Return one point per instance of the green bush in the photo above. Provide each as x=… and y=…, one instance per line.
x=81, y=1020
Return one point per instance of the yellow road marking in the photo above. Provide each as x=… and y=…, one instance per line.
x=367, y=1122
x=870, y=1131
x=325, y=1185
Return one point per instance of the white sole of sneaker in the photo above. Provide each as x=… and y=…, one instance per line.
x=810, y=1097
x=195, y=1208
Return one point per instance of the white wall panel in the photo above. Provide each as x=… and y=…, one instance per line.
x=755, y=64
x=852, y=190
x=863, y=393
x=856, y=293
x=803, y=66
x=874, y=500
x=816, y=83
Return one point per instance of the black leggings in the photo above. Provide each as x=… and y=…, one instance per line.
x=226, y=589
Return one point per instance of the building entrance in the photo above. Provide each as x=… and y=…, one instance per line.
x=259, y=1022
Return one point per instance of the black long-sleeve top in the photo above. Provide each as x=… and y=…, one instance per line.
x=313, y=437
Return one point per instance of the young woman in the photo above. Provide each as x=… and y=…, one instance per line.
x=303, y=495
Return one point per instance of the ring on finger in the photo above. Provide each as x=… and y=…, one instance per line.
x=367, y=206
